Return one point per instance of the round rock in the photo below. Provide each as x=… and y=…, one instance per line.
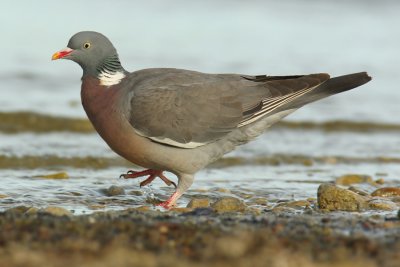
x=56, y=211
x=228, y=204
x=114, y=191
x=199, y=203
x=332, y=197
x=382, y=204
x=386, y=192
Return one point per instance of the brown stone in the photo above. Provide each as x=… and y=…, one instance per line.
x=295, y=204
x=56, y=211
x=228, y=204
x=259, y=201
x=32, y=210
x=143, y=208
x=114, y=191
x=199, y=203
x=386, y=192
x=382, y=204
x=349, y=179
x=332, y=197
x=358, y=191
x=181, y=210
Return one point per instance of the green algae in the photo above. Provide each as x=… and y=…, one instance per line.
x=55, y=162
x=24, y=121
x=340, y=126
x=14, y=122
x=284, y=159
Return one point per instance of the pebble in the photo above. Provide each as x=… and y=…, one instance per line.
x=114, y=191
x=57, y=175
x=295, y=204
x=283, y=209
x=136, y=193
x=181, y=210
x=358, y=191
x=332, y=197
x=395, y=199
x=254, y=211
x=77, y=194
x=96, y=206
x=199, y=203
x=245, y=195
x=223, y=190
x=349, y=179
x=382, y=204
x=17, y=209
x=386, y=192
x=32, y=210
x=143, y=208
x=228, y=204
x=380, y=181
x=3, y=196
x=56, y=211
x=307, y=162
x=259, y=201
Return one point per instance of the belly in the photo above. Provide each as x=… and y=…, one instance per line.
x=103, y=109
x=121, y=138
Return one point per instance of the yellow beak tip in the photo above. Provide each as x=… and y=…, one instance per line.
x=55, y=56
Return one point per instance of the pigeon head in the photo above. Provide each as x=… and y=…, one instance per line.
x=93, y=52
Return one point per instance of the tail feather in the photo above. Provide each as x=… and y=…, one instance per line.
x=330, y=87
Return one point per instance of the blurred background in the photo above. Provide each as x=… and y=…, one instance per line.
x=217, y=36
x=248, y=37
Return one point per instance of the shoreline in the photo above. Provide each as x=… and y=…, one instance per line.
x=198, y=238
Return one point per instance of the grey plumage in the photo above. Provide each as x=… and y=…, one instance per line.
x=180, y=120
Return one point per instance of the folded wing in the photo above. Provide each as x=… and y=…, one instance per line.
x=191, y=109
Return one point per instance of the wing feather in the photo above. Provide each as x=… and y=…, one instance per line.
x=188, y=109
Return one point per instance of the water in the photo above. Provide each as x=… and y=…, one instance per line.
x=256, y=37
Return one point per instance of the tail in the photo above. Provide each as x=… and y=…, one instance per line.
x=331, y=87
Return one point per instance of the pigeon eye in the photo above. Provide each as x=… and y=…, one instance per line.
x=86, y=45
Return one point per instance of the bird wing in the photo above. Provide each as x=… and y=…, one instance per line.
x=189, y=109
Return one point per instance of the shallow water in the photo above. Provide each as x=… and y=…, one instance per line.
x=271, y=167
x=278, y=38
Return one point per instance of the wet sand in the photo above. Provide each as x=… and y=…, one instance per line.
x=200, y=237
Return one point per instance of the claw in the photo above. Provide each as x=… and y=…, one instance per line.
x=174, y=184
x=152, y=174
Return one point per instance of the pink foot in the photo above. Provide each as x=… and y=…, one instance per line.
x=152, y=174
x=169, y=203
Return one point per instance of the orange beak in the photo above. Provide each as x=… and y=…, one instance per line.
x=63, y=53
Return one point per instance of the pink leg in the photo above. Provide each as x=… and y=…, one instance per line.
x=170, y=202
x=185, y=181
x=148, y=180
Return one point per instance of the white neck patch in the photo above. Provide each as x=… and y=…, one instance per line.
x=109, y=79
